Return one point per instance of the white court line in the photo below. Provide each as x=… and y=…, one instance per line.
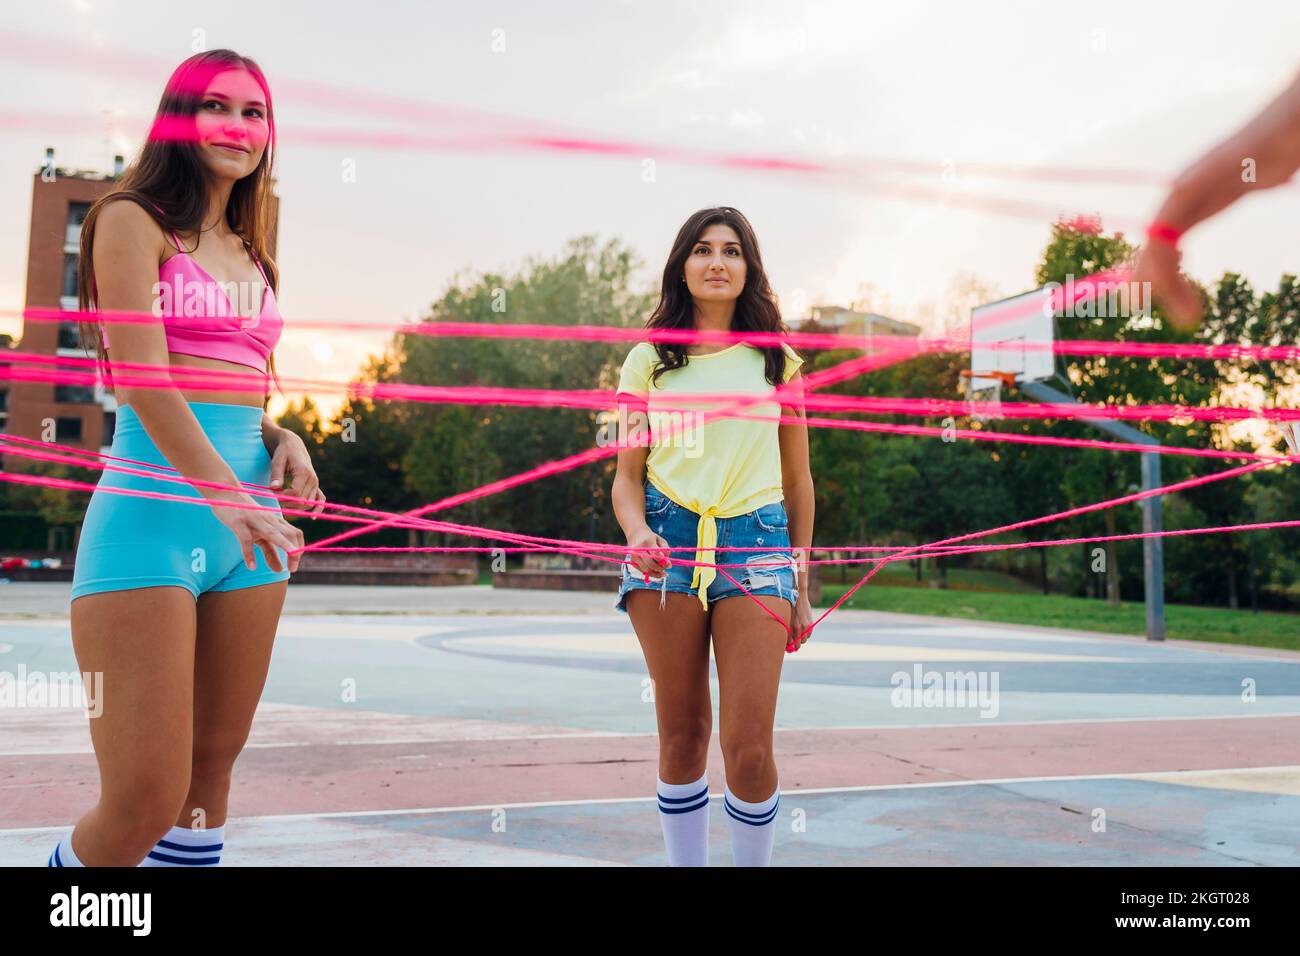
x=596, y=734
x=489, y=807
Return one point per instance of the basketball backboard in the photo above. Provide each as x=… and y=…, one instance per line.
x=1014, y=336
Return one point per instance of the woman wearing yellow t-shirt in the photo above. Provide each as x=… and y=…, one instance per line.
x=711, y=493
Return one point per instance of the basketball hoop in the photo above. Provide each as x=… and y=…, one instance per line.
x=1001, y=378
x=986, y=389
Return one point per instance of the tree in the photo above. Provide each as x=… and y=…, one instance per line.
x=1080, y=248
x=403, y=454
x=58, y=508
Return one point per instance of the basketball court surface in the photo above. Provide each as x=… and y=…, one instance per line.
x=469, y=726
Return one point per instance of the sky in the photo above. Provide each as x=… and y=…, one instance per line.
x=940, y=87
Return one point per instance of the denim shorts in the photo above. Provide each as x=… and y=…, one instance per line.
x=766, y=567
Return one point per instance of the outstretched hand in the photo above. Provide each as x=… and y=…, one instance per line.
x=1158, y=264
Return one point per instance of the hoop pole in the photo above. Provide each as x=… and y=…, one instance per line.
x=1153, y=560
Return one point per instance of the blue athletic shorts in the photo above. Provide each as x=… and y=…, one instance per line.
x=768, y=567
x=130, y=542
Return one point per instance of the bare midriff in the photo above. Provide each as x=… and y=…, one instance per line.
x=251, y=393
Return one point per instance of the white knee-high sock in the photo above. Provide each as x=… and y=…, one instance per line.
x=185, y=847
x=684, y=815
x=753, y=827
x=63, y=855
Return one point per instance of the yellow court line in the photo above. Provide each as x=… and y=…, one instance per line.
x=1283, y=781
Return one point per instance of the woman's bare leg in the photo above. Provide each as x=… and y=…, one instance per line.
x=142, y=642
x=749, y=648
x=675, y=642
x=236, y=630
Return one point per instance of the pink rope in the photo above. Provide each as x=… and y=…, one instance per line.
x=818, y=379
x=904, y=552
x=1133, y=536
x=934, y=407
x=366, y=512
x=68, y=484
x=818, y=341
x=923, y=550
x=217, y=380
x=41, y=51
x=996, y=315
x=61, y=454
x=1062, y=515
x=19, y=45
x=837, y=373
x=945, y=552
x=1022, y=439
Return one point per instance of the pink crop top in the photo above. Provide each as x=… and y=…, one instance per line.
x=200, y=319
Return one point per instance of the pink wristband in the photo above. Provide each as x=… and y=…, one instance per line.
x=1163, y=232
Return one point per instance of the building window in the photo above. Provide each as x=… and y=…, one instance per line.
x=74, y=394
x=4, y=408
x=67, y=430
x=110, y=426
x=76, y=216
x=69, y=275
x=69, y=337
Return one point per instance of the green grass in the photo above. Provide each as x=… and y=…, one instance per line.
x=1184, y=622
x=959, y=579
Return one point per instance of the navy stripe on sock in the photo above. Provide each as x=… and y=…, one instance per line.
x=210, y=848
x=753, y=819
x=703, y=803
x=692, y=797
x=184, y=861
x=58, y=860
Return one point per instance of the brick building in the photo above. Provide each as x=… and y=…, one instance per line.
x=82, y=415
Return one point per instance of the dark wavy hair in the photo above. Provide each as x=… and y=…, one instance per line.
x=169, y=181
x=756, y=308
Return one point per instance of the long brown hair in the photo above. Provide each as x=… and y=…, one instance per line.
x=756, y=308
x=168, y=180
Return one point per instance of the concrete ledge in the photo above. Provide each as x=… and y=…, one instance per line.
x=556, y=580
x=39, y=574
x=410, y=569
x=394, y=577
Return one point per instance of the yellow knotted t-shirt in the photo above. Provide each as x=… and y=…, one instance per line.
x=720, y=468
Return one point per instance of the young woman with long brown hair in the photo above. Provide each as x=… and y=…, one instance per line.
x=702, y=492
x=176, y=604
